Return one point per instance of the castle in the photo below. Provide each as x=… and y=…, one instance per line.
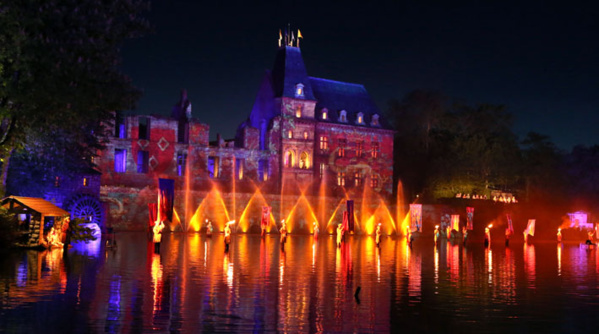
x=318, y=139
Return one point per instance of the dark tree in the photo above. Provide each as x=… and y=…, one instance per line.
x=444, y=147
x=59, y=76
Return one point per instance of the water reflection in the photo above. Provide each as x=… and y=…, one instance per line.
x=308, y=286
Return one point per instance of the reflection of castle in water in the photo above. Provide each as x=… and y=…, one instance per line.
x=311, y=138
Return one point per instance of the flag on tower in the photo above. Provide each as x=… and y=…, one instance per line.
x=299, y=34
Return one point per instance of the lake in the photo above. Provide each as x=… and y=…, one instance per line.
x=305, y=286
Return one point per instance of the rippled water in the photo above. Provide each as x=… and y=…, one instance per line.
x=307, y=286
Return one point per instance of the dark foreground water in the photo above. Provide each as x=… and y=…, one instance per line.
x=193, y=286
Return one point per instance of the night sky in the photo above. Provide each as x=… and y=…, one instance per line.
x=539, y=60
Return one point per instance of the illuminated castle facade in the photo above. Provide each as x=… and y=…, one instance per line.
x=304, y=136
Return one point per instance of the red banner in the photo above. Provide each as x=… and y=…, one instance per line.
x=265, y=217
x=470, y=218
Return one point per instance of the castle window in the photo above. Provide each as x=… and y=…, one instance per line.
x=239, y=168
x=289, y=134
x=213, y=167
x=263, y=170
x=120, y=160
x=119, y=126
x=375, y=120
x=181, y=163
x=298, y=111
x=304, y=162
x=343, y=116
x=322, y=169
x=306, y=135
x=85, y=182
x=299, y=90
x=360, y=119
x=183, y=132
x=57, y=181
x=144, y=128
x=341, y=147
x=324, y=143
x=288, y=162
x=357, y=179
x=325, y=114
x=341, y=179
x=374, y=181
x=375, y=150
x=359, y=149
x=143, y=158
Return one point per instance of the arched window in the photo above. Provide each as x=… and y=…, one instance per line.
x=325, y=114
x=289, y=134
x=288, y=159
x=304, y=161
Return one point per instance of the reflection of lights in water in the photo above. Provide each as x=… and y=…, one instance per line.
x=228, y=268
x=156, y=272
x=92, y=248
x=559, y=260
x=205, y=252
x=281, y=271
x=22, y=274
x=114, y=301
x=313, y=254
x=490, y=264
x=378, y=265
x=436, y=268
x=530, y=264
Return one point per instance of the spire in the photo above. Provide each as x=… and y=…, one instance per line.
x=288, y=38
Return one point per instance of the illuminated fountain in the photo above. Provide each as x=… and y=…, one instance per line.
x=293, y=204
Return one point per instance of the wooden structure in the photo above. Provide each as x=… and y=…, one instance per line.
x=31, y=213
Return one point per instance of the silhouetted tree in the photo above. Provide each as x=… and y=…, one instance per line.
x=59, y=76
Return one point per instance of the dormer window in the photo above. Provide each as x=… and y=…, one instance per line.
x=325, y=114
x=360, y=118
x=343, y=116
x=375, y=120
x=299, y=90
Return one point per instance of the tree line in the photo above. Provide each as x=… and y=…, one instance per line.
x=445, y=147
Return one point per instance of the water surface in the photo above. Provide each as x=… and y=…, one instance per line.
x=306, y=286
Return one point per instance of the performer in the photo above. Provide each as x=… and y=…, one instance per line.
x=263, y=232
x=209, y=228
x=409, y=238
x=378, y=235
x=283, y=231
x=590, y=238
x=316, y=230
x=487, y=237
x=227, y=236
x=508, y=234
x=525, y=236
x=436, y=233
x=559, y=235
x=465, y=234
x=339, y=234
x=158, y=227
